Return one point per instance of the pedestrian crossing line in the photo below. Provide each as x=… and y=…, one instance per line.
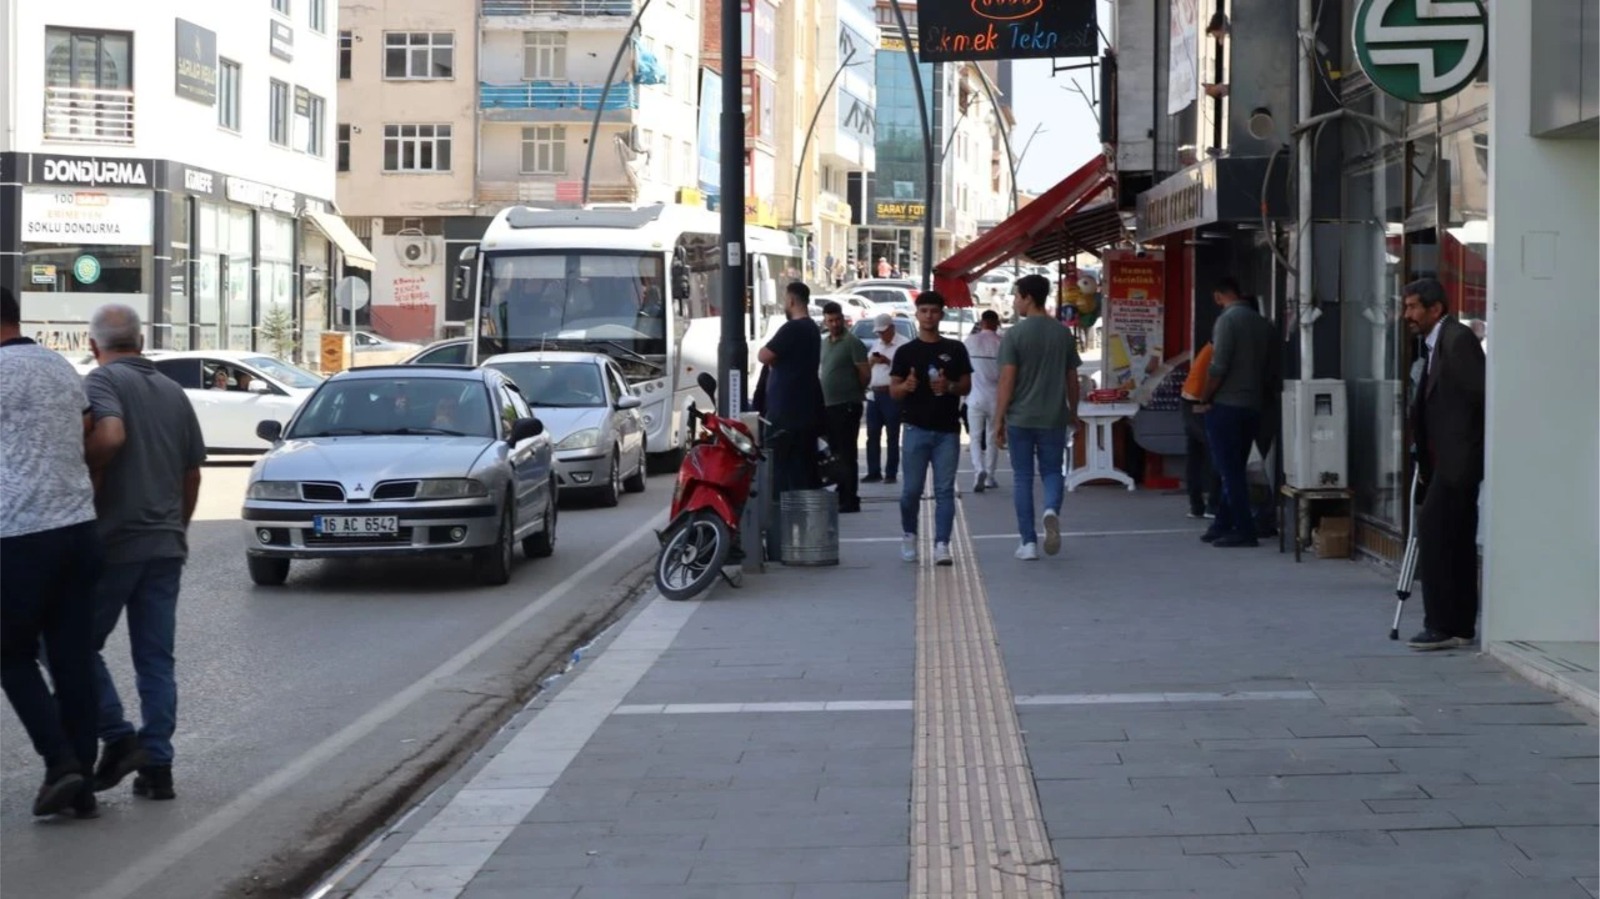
x=976, y=825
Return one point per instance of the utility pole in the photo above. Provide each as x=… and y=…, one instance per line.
x=732, y=351
x=930, y=184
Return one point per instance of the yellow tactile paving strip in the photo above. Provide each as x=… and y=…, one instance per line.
x=976, y=828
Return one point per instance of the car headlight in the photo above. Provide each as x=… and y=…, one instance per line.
x=577, y=440
x=740, y=442
x=282, y=491
x=451, y=488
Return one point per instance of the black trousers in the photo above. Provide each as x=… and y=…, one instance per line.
x=794, y=460
x=844, y=435
x=1447, y=558
x=1200, y=476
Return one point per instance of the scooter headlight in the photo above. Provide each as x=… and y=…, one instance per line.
x=740, y=441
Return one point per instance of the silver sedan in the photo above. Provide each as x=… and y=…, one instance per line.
x=403, y=461
x=592, y=416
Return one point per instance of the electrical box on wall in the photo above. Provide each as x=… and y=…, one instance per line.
x=1316, y=448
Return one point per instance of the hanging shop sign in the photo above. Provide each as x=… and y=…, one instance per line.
x=196, y=63
x=956, y=30
x=101, y=217
x=1420, y=51
x=1135, y=318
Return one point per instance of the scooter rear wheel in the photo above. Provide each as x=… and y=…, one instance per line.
x=692, y=555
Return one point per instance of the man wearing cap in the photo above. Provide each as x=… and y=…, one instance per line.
x=883, y=411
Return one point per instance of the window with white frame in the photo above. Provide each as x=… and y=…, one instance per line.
x=314, y=121
x=281, y=6
x=544, y=150
x=230, y=78
x=419, y=55
x=278, y=112
x=687, y=162
x=342, y=162
x=346, y=50
x=416, y=148
x=544, y=55
x=319, y=16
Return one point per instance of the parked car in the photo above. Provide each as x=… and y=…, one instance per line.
x=442, y=352
x=854, y=307
x=863, y=330
x=367, y=342
x=403, y=460
x=591, y=416
x=959, y=321
x=82, y=360
x=232, y=390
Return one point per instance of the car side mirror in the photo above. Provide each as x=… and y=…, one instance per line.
x=259, y=387
x=461, y=281
x=629, y=401
x=269, y=430
x=525, y=429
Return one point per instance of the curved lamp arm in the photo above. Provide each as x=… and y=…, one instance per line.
x=605, y=90
x=800, y=162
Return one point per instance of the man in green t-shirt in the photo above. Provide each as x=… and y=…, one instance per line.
x=844, y=372
x=1035, y=404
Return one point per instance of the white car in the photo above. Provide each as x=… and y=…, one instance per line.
x=368, y=342
x=233, y=390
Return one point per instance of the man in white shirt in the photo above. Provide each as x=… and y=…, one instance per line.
x=883, y=411
x=983, y=346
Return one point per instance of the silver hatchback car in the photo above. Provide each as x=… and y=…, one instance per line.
x=403, y=460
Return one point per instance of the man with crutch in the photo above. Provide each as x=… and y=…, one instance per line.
x=1447, y=417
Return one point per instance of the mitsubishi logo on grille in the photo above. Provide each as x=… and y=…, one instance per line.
x=358, y=489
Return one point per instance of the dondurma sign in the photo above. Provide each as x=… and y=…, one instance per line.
x=1421, y=51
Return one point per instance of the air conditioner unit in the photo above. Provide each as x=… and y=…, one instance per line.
x=1316, y=447
x=416, y=251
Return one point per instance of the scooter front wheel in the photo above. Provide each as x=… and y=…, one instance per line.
x=692, y=555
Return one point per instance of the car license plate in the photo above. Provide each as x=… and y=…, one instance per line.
x=356, y=525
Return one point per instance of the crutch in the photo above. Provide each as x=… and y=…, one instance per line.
x=1408, y=562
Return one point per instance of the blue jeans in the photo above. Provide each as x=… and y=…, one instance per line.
x=1231, y=429
x=1049, y=446
x=46, y=597
x=149, y=590
x=883, y=421
x=918, y=447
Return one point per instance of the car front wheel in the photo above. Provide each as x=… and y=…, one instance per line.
x=267, y=571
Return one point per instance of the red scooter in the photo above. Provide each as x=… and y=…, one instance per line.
x=713, y=485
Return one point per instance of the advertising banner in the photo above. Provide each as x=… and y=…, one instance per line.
x=710, y=133
x=1183, y=61
x=196, y=63
x=1135, y=316
x=1006, y=29
x=101, y=217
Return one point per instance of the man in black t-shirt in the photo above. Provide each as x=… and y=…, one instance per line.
x=794, y=394
x=928, y=378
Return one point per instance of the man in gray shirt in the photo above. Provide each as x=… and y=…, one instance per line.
x=145, y=452
x=1237, y=384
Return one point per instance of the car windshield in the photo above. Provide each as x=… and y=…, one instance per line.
x=372, y=406
x=608, y=301
x=558, y=384
x=283, y=372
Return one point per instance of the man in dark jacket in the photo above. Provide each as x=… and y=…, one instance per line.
x=794, y=394
x=1447, y=420
x=1239, y=382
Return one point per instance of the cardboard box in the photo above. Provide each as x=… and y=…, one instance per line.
x=1330, y=539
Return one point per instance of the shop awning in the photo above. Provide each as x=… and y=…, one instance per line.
x=356, y=254
x=1022, y=230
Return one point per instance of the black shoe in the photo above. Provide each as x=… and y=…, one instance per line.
x=1210, y=536
x=154, y=782
x=1429, y=640
x=889, y=479
x=848, y=508
x=62, y=784
x=84, y=805
x=872, y=479
x=1232, y=540
x=120, y=758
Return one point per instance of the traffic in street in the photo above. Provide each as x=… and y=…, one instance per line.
x=310, y=712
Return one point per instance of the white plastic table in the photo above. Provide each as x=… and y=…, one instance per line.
x=1099, y=461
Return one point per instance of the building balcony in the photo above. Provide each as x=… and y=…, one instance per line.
x=555, y=101
x=519, y=15
x=564, y=193
x=88, y=116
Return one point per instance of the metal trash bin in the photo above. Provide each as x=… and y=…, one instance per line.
x=808, y=522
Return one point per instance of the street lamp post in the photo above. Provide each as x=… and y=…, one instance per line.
x=930, y=189
x=732, y=351
x=800, y=162
x=605, y=91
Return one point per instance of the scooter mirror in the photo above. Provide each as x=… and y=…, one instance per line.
x=708, y=383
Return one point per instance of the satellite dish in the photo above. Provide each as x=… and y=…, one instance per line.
x=352, y=293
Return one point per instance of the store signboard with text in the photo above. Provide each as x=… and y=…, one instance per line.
x=1135, y=318
x=61, y=215
x=958, y=30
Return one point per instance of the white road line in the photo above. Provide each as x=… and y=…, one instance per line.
x=440, y=859
x=904, y=705
x=133, y=880
x=1064, y=534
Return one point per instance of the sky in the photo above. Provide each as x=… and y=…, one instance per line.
x=1068, y=134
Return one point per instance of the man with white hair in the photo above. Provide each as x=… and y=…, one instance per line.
x=145, y=451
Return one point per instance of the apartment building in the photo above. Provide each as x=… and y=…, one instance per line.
x=446, y=125
x=176, y=158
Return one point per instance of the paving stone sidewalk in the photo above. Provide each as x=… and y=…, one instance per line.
x=1199, y=721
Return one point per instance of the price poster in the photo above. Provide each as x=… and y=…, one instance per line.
x=1135, y=318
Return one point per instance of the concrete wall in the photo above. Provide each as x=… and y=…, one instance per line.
x=1543, y=482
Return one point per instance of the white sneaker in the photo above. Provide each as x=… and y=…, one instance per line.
x=941, y=554
x=908, y=548
x=1052, y=532
x=993, y=484
x=1028, y=552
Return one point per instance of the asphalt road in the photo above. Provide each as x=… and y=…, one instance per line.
x=309, y=713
